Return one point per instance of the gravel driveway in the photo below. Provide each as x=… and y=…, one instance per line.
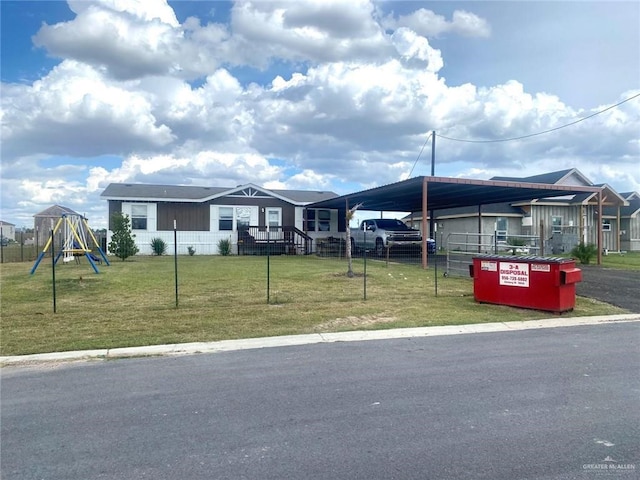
x=617, y=287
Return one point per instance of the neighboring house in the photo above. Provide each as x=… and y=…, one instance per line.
x=628, y=217
x=205, y=215
x=45, y=221
x=561, y=222
x=8, y=232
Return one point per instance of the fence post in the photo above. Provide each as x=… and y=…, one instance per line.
x=175, y=256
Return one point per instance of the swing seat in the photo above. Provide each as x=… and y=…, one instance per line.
x=75, y=251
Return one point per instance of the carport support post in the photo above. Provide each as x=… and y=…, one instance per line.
x=480, y=231
x=424, y=222
x=599, y=227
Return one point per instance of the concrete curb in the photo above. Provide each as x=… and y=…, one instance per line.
x=292, y=340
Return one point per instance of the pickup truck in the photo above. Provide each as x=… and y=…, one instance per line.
x=378, y=234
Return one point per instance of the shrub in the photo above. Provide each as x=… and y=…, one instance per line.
x=224, y=247
x=191, y=251
x=122, y=243
x=516, y=241
x=584, y=252
x=158, y=246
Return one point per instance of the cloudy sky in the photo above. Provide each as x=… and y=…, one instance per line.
x=327, y=95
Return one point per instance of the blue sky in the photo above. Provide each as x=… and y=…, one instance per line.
x=328, y=95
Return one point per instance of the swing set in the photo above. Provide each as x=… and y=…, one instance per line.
x=75, y=244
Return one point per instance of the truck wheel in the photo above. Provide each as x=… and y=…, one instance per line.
x=354, y=250
x=379, y=247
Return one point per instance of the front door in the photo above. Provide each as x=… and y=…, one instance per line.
x=273, y=220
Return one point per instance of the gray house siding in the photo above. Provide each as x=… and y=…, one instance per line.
x=189, y=216
x=464, y=234
x=630, y=237
x=629, y=222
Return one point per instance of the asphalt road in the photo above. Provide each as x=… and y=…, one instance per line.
x=617, y=287
x=552, y=404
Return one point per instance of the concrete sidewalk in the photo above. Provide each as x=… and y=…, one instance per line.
x=289, y=340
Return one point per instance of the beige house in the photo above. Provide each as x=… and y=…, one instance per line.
x=628, y=218
x=548, y=225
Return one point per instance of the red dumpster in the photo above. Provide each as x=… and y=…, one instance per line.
x=539, y=283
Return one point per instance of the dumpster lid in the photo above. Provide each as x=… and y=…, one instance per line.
x=523, y=258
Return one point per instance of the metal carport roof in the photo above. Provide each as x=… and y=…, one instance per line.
x=447, y=192
x=421, y=194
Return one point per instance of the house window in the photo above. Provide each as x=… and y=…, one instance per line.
x=318, y=220
x=138, y=217
x=225, y=221
x=243, y=218
x=274, y=217
x=324, y=220
x=231, y=218
x=606, y=225
x=501, y=229
x=556, y=224
x=310, y=222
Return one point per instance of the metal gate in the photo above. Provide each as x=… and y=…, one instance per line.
x=462, y=247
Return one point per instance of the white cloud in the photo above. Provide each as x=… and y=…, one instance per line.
x=429, y=24
x=145, y=10
x=74, y=111
x=135, y=39
x=411, y=46
x=310, y=180
x=306, y=31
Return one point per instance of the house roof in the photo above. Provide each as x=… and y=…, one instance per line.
x=56, y=211
x=630, y=195
x=570, y=177
x=189, y=193
x=2, y=222
x=447, y=192
x=632, y=208
x=553, y=178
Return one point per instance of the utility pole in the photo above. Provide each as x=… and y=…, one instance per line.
x=433, y=153
x=432, y=233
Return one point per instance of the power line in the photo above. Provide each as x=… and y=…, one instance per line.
x=421, y=150
x=538, y=133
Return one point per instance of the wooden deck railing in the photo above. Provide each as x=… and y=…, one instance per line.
x=283, y=240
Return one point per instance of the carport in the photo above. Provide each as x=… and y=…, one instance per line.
x=435, y=193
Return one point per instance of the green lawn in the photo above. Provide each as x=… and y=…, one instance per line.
x=133, y=303
x=624, y=261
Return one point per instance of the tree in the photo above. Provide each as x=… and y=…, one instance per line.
x=122, y=244
x=350, y=214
